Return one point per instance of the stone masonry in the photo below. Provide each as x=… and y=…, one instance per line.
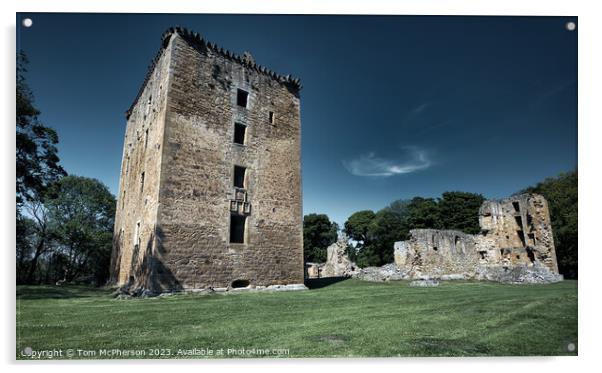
x=515, y=233
x=210, y=187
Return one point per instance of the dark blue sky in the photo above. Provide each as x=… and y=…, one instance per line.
x=392, y=106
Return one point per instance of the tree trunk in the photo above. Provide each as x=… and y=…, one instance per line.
x=34, y=261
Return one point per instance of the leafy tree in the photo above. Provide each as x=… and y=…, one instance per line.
x=39, y=235
x=357, y=225
x=460, y=210
x=424, y=213
x=400, y=207
x=356, y=228
x=25, y=245
x=374, y=235
x=37, y=166
x=561, y=194
x=318, y=233
x=82, y=212
x=384, y=230
x=37, y=161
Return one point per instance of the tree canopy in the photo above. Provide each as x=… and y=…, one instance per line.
x=318, y=233
x=37, y=161
x=82, y=213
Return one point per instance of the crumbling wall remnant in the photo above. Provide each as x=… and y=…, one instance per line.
x=338, y=263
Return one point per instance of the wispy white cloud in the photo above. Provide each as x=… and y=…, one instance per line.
x=412, y=159
x=420, y=108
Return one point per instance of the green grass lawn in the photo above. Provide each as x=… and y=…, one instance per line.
x=346, y=318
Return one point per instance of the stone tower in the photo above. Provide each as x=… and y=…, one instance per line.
x=210, y=187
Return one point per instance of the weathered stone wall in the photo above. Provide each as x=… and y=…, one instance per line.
x=440, y=252
x=521, y=228
x=515, y=232
x=338, y=263
x=191, y=242
x=137, y=204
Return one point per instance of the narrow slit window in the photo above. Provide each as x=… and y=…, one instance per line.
x=237, y=228
x=271, y=117
x=242, y=98
x=146, y=138
x=142, y=182
x=239, y=176
x=239, y=133
x=137, y=235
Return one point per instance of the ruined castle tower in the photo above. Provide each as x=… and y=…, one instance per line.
x=210, y=187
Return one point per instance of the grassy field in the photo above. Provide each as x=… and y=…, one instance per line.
x=346, y=318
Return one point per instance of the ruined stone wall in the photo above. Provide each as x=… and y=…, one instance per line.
x=199, y=156
x=521, y=228
x=440, y=252
x=137, y=204
x=338, y=263
x=515, y=232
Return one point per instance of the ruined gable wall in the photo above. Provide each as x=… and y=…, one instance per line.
x=521, y=228
x=197, y=176
x=142, y=151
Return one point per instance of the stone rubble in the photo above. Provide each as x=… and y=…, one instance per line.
x=125, y=293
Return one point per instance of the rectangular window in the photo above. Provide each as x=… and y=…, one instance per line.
x=239, y=176
x=142, y=182
x=271, y=117
x=237, y=228
x=239, y=133
x=242, y=98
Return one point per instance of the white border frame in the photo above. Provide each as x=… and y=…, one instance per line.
x=590, y=121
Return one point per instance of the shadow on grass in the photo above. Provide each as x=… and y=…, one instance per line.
x=57, y=292
x=318, y=283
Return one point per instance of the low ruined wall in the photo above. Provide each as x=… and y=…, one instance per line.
x=438, y=252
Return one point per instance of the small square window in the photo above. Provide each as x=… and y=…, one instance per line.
x=239, y=133
x=239, y=176
x=242, y=98
x=237, y=228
